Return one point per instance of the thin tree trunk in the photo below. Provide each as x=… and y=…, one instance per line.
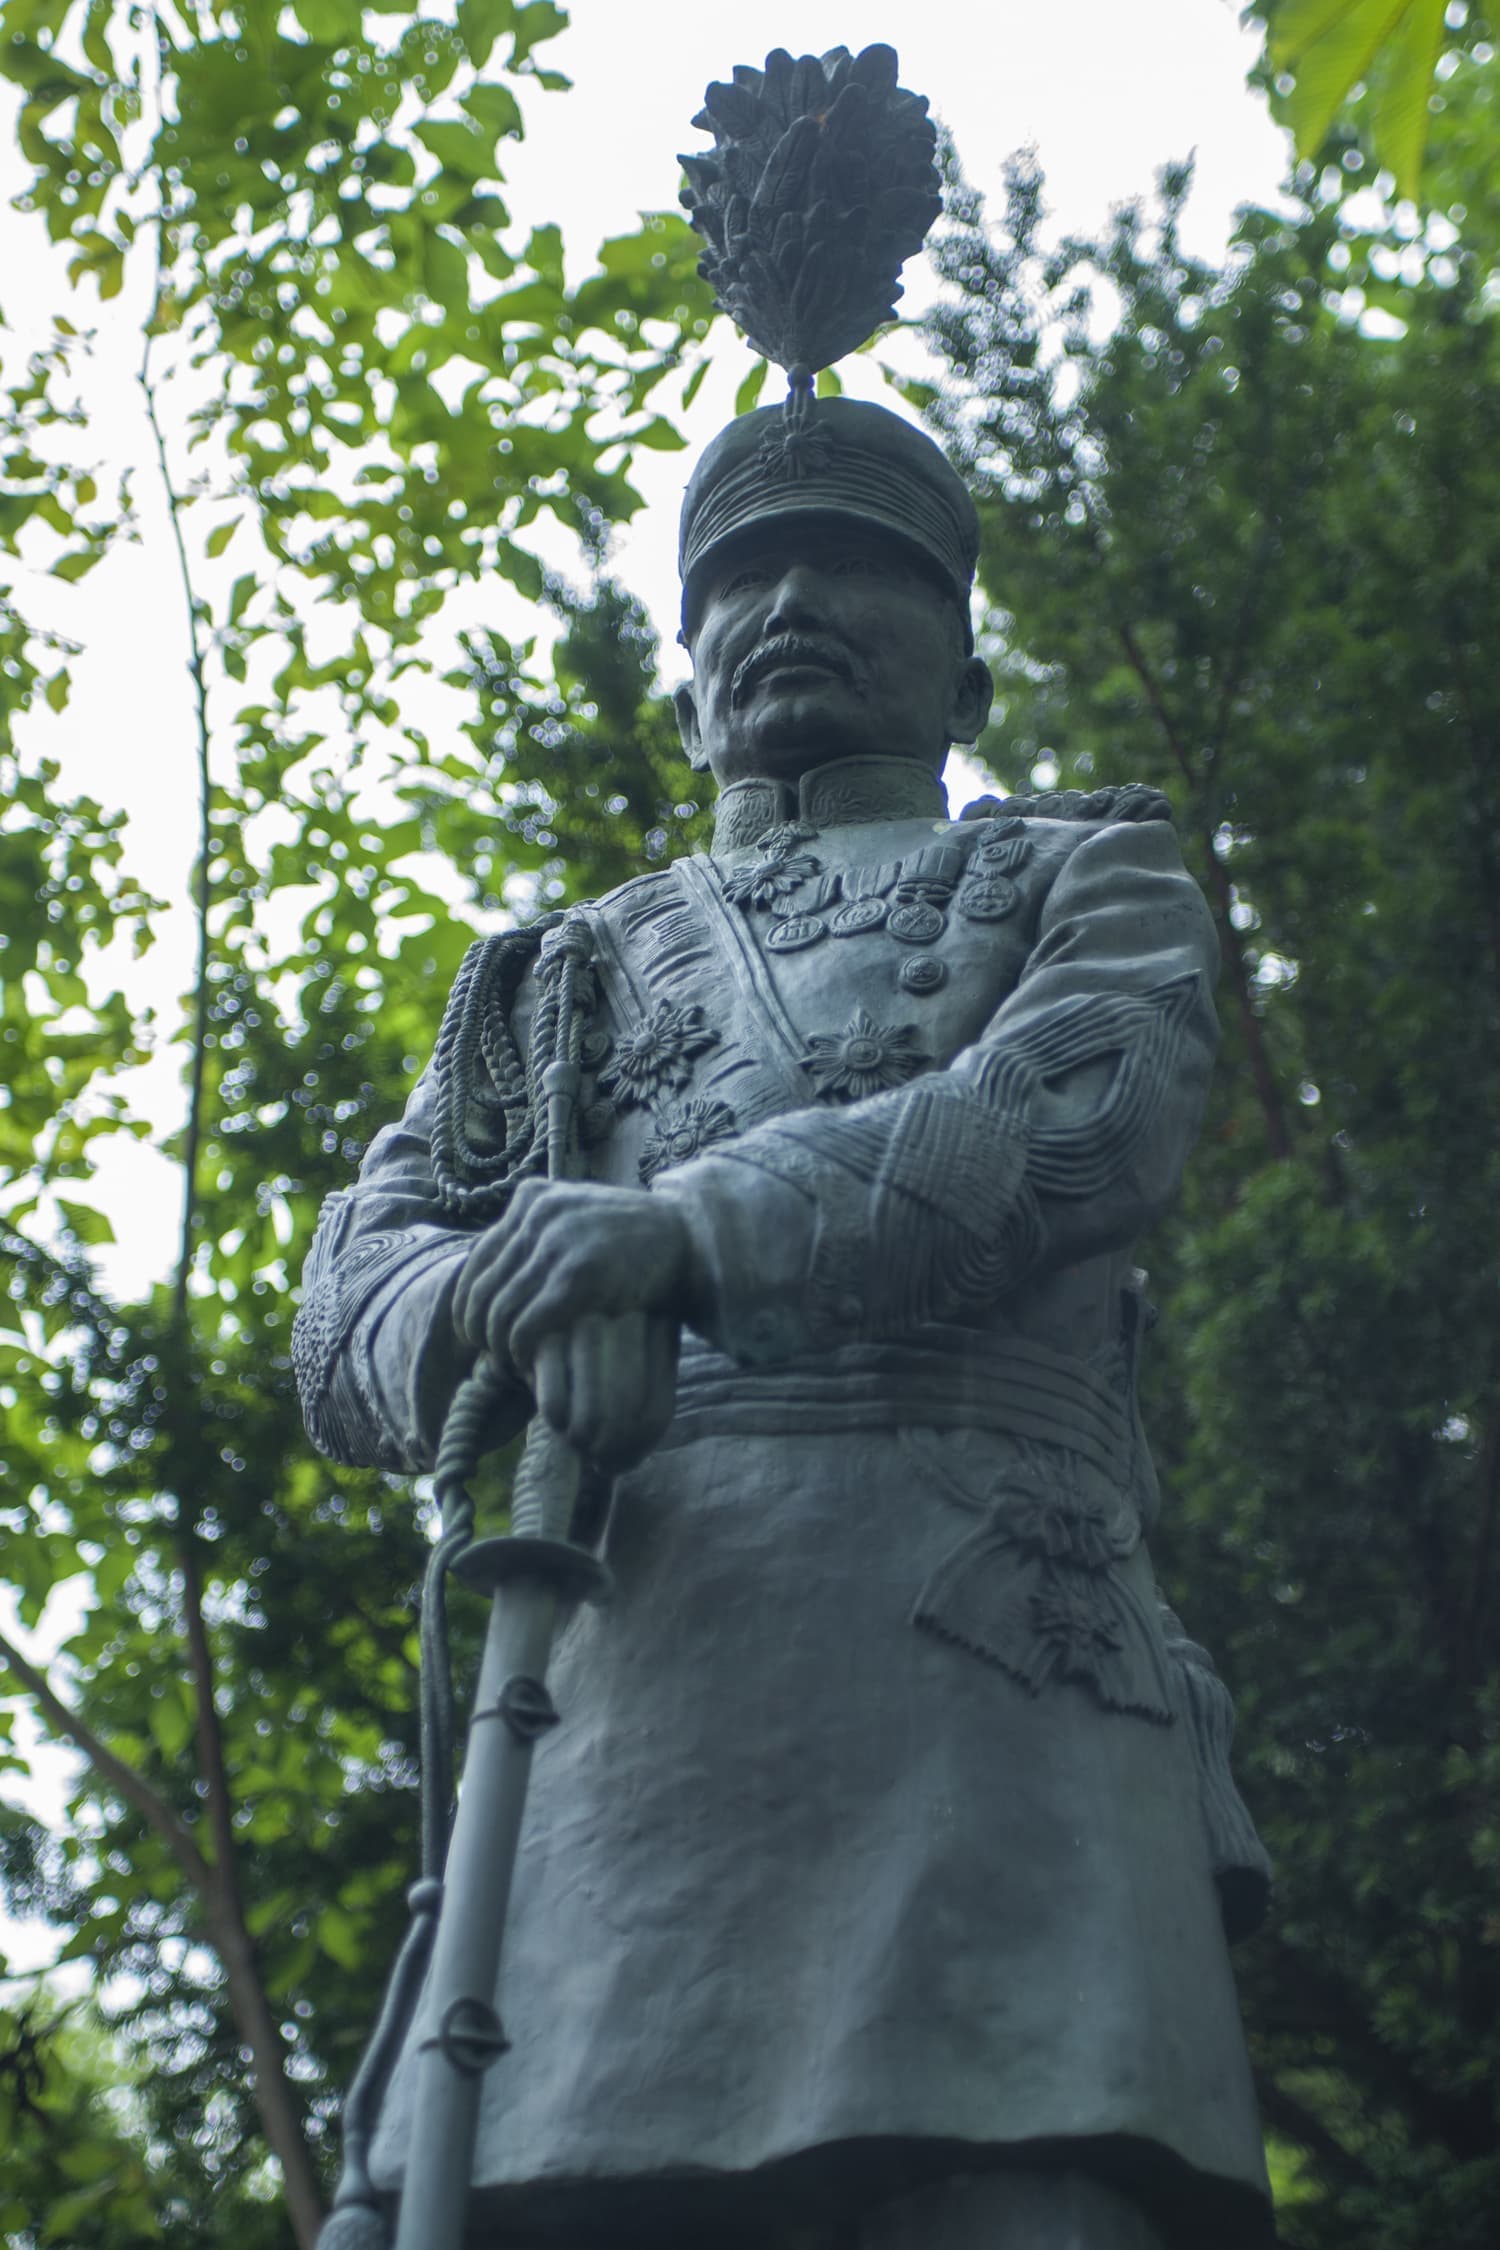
x=1268, y=1092
x=223, y=1905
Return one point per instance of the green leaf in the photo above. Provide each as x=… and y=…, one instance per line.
x=750, y=389
x=324, y=20
x=480, y=23
x=539, y=20
x=495, y=108
x=341, y=1937
x=219, y=538
x=83, y=1220
x=78, y=564
x=1400, y=100
x=694, y=384
x=171, y=1720
x=660, y=435
x=1328, y=46
x=460, y=149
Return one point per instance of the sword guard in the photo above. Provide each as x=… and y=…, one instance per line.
x=570, y=1571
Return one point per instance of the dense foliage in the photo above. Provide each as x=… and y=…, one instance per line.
x=1244, y=549
x=1238, y=547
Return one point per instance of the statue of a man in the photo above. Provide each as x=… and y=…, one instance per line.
x=874, y=1889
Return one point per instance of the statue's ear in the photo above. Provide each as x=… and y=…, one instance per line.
x=973, y=693
x=688, y=728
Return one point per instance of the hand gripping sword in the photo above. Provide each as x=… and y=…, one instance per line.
x=527, y=1574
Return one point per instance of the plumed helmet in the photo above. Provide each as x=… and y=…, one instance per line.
x=821, y=184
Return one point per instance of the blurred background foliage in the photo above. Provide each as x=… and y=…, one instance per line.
x=1240, y=526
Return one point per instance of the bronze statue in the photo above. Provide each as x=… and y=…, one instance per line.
x=873, y=1891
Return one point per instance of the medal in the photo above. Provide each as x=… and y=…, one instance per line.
x=988, y=900
x=795, y=932
x=1002, y=855
x=857, y=914
x=916, y=924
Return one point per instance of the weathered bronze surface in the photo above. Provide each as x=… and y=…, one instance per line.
x=875, y=1882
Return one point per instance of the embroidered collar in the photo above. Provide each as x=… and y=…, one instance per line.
x=848, y=790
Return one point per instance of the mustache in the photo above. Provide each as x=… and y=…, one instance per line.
x=787, y=648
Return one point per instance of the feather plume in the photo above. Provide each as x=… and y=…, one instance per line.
x=821, y=184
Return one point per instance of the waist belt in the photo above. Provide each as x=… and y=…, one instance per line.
x=940, y=1378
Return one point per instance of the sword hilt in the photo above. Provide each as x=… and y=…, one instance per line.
x=545, y=1491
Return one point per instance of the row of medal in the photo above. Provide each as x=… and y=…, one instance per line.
x=907, y=898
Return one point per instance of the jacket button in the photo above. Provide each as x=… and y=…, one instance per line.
x=922, y=972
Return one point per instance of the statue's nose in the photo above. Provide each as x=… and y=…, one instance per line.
x=797, y=599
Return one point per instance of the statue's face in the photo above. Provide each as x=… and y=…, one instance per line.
x=817, y=641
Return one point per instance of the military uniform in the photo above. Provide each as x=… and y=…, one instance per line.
x=888, y=1833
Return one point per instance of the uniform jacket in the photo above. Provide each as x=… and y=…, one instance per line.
x=890, y=1808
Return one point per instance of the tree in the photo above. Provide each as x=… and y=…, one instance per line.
x=72, y=2163
x=383, y=385
x=1239, y=548
x=1364, y=78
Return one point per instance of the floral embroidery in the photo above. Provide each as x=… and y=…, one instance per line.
x=680, y=1132
x=1071, y=1616
x=782, y=840
x=769, y=882
x=864, y=1058
x=1058, y=1523
x=657, y=1053
x=1037, y=1591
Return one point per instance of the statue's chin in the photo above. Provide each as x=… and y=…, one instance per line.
x=797, y=722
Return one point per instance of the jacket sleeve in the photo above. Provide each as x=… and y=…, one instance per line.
x=376, y=1358
x=1060, y=1133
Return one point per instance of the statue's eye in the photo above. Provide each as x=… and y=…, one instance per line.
x=745, y=580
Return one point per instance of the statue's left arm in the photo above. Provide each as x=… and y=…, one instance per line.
x=1059, y=1134
x=374, y=1348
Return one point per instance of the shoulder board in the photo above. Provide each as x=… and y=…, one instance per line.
x=1129, y=800
x=633, y=883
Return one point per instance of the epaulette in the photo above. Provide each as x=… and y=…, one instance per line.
x=1129, y=800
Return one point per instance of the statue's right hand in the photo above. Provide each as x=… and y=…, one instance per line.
x=603, y=1373
x=609, y=1384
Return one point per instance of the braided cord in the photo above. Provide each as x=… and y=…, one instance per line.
x=480, y=1079
x=476, y=1064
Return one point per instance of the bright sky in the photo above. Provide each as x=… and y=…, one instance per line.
x=1107, y=94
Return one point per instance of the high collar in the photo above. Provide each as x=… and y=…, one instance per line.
x=846, y=791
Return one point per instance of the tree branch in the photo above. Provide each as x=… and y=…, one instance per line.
x=202, y=894
x=280, y=2114
x=112, y=1770
x=1268, y=1093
